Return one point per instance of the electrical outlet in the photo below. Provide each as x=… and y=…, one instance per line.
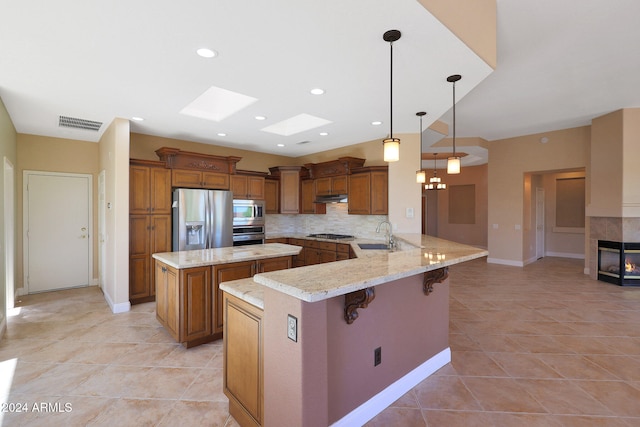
x=377, y=356
x=292, y=328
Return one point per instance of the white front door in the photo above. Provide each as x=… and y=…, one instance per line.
x=539, y=223
x=57, y=223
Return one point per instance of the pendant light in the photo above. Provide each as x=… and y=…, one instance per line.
x=421, y=175
x=453, y=162
x=391, y=145
x=435, y=182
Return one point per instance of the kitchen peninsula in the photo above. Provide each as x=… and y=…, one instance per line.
x=334, y=344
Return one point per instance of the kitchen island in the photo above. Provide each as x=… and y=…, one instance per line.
x=336, y=343
x=188, y=298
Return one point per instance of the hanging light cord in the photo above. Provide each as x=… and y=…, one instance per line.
x=454, y=119
x=391, y=92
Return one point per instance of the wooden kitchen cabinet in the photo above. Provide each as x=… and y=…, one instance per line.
x=272, y=196
x=331, y=185
x=227, y=273
x=149, y=224
x=189, y=302
x=149, y=188
x=290, y=190
x=369, y=191
x=248, y=187
x=308, y=192
x=199, y=179
x=243, y=377
x=148, y=234
x=168, y=298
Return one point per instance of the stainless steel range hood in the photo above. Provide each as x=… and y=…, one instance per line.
x=331, y=198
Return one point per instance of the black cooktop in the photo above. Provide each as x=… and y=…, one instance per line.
x=330, y=236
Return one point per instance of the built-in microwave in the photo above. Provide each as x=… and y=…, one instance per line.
x=248, y=212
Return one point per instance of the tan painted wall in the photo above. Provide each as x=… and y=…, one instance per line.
x=509, y=160
x=41, y=153
x=470, y=234
x=473, y=21
x=8, y=143
x=606, y=166
x=630, y=169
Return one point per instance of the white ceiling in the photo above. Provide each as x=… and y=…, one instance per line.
x=559, y=65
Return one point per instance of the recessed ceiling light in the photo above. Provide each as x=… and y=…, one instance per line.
x=137, y=119
x=317, y=91
x=261, y=118
x=222, y=134
x=280, y=145
x=376, y=123
x=324, y=133
x=206, y=53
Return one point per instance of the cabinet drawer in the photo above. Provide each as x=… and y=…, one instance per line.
x=327, y=246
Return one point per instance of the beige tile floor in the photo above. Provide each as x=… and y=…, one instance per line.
x=542, y=345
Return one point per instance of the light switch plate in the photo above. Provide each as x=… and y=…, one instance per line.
x=292, y=328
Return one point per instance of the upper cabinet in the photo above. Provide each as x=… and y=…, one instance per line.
x=196, y=170
x=289, y=177
x=331, y=185
x=248, y=185
x=149, y=188
x=272, y=195
x=369, y=191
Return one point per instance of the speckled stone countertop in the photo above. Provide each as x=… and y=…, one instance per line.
x=216, y=256
x=416, y=254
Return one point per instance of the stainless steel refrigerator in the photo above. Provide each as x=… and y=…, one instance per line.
x=202, y=219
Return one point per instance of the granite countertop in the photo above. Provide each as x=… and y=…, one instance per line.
x=216, y=256
x=416, y=254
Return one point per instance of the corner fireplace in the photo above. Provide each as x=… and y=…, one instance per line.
x=619, y=262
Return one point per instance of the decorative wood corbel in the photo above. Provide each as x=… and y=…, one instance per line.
x=355, y=300
x=434, y=276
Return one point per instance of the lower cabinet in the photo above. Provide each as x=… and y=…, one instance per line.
x=243, y=380
x=189, y=301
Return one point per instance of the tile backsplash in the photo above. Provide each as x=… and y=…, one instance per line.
x=336, y=220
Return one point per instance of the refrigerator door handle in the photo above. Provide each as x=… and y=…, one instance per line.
x=207, y=221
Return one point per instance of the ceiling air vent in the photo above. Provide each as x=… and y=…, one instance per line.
x=73, y=122
x=303, y=142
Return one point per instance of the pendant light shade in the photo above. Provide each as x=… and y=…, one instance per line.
x=421, y=175
x=391, y=145
x=453, y=163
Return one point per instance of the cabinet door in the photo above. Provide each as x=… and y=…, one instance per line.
x=271, y=196
x=379, y=193
x=215, y=180
x=308, y=196
x=339, y=184
x=360, y=194
x=226, y=273
x=160, y=189
x=273, y=264
x=323, y=186
x=255, y=186
x=186, y=178
x=326, y=256
x=159, y=240
x=243, y=361
x=139, y=256
x=197, y=302
x=139, y=196
x=167, y=298
x=290, y=192
x=239, y=186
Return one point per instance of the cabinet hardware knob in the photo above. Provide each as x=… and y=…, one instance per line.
x=164, y=269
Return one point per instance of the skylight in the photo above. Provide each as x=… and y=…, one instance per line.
x=296, y=124
x=217, y=104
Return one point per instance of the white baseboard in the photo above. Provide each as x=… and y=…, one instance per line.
x=117, y=308
x=505, y=262
x=393, y=392
x=565, y=255
x=530, y=260
x=587, y=271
